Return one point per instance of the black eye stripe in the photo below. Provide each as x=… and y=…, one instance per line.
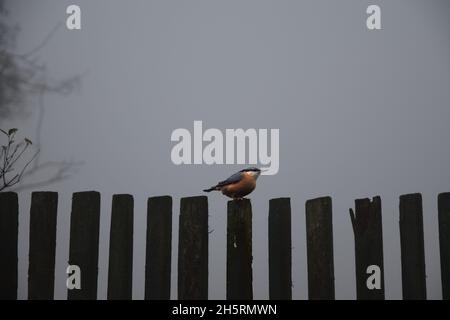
x=250, y=170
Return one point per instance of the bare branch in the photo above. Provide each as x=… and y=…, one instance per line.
x=44, y=41
x=23, y=76
x=26, y=165
x=11, y=153
x=64, y=169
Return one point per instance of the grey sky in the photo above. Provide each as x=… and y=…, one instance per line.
x=361, y=113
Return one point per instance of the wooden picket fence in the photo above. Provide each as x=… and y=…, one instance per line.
x=193, y=246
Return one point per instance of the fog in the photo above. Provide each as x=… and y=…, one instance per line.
x=360, y=113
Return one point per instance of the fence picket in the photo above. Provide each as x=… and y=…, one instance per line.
x=412, y=247
x=280, y=245
x=193, y=249
x=239, y=250
x=120, y=270
x=84, y=236
x=319, y=235
x=159, y=248
x=9, y=228
x=41, y=268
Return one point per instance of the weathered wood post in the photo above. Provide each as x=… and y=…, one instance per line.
x=368, y=231
x=444, y=242
x=159, y=248
x=83, y=251
x=319, y=236
x=193, y=249
x=41, y=267
x=84, y=235
x=280, y=245
x=412, y=247
x=9, y=228
x=120, y=270
x=239, y=250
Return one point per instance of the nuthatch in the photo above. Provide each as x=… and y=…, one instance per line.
x=239, y=184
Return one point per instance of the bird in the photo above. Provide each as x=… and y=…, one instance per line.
x=238, y=185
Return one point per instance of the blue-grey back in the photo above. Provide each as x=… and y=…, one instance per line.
x=232, y=179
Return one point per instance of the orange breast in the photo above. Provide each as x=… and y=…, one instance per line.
x=241, y=188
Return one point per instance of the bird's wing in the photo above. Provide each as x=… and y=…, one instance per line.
x=232, y=179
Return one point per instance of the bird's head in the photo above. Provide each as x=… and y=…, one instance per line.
x=254, y=172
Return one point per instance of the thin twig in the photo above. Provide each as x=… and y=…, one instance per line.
x=44, y=42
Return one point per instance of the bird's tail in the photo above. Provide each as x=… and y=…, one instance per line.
x=211, y=189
